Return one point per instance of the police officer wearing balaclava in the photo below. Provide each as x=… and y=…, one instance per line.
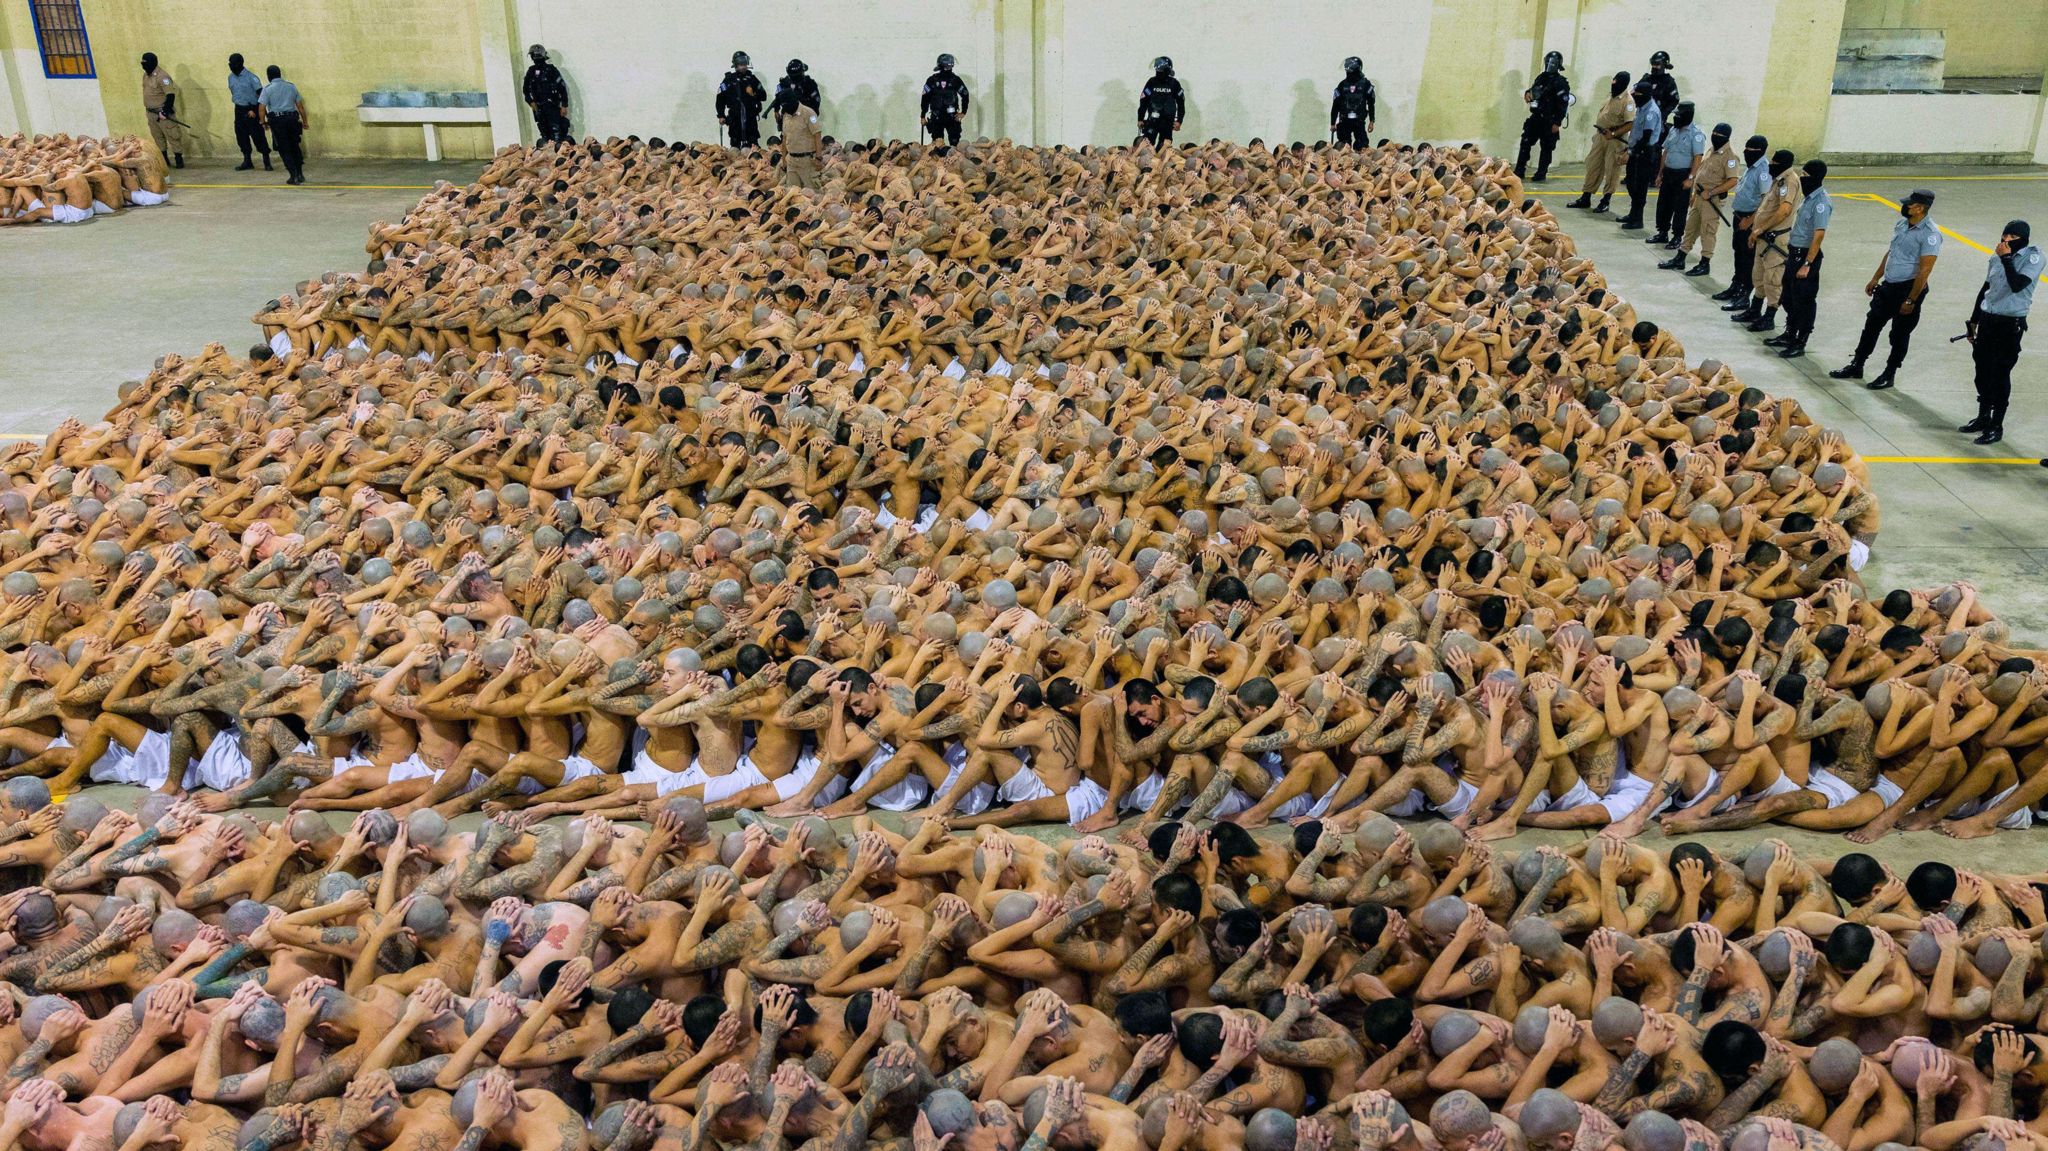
x=1803, y=257
x=548, y=95
x=1549, y=98
x=1161, y=104
x=1642, y=154
x=741, y=99
x=1998, y=322
x=1663, y=85
x=1749, y=195
x=796, y=82
x=944, y=103
x=1684, y=144
x=160, y=106
x=1609, y=153
x=1714, y=176
x=1352, y=105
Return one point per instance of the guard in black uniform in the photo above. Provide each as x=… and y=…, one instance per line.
x=1161, y=104
x=1550, y=99
x=1353, y=105
x=944, y=103
x=740, y=100
x=548, y=95
x=796, y=81
x=1663, y=86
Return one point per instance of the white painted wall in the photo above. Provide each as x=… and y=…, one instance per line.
x=652, y=67
x=1719, y=53
x=1933, y=122
x=31, y=101
x=1246, y=73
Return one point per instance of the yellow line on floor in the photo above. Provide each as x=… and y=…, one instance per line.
x=1948, y=179
x=1951, y=459
x=286, y=188
x=23, y=436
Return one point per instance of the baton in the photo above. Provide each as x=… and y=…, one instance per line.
x=1959, y=339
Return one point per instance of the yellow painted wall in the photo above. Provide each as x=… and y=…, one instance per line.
x=334, y=50
x=1985, y=37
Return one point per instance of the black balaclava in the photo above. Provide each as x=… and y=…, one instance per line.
x=1781, y=161
x=148, y=63
x=1721, y=134
x=1753, y=150
x=2020, y=231
x=1620, y=84
x=1810, y=176
x=1684, y=115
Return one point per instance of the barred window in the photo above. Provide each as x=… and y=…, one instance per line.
x=60, y=34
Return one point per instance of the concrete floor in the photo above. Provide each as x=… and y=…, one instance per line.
x=91, y=305
x=1952, y=510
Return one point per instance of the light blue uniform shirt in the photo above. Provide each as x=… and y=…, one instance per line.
x=1814, y=213
x=1999, y=297
x=1909, y=243
x=243, y=88
x=1749, y=192
x=1648, y=122
x=280, y=98
x=1683, y=145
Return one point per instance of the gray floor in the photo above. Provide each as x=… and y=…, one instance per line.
x=1942, y=520
x=91, y=305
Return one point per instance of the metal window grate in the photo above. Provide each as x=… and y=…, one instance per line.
x=60, y=34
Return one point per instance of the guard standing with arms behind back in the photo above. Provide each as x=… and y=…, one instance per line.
x=741, y=100
x=1609, y=153
x=796, y=82
x=1642, y=155
x=1749, y=193
x=160, y=101
x=944, y=103
x=1896, y=289
x=1998, y=322
x=1713, y=177
x=1353, y=105
x=243, y=88
x=1684, y=144
x=1803, y=258
x=1161, y=104
x=1549, y=98
x=548, y=95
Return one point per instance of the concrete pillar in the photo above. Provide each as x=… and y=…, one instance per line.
x=2041, y=114
x=1799, y=74
x=1049, y=76
x=1012, y=99
x=498, y=43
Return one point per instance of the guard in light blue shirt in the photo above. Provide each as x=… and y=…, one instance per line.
x=1642, y=154
x=1997, y=324
x=1742, y=206
x=1802, y=260
x=1896, y=289
x=1683, y=145
x=243, y=88
x=285, y=114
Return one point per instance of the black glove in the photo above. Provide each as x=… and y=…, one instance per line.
x=170, y=104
